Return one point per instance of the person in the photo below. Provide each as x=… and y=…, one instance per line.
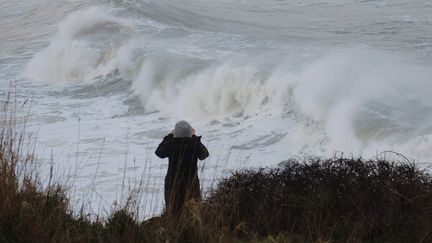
x=183, y=148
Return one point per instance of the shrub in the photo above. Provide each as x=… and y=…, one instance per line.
x=337, y=199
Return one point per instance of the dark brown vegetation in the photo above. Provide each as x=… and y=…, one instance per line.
x=336, y=200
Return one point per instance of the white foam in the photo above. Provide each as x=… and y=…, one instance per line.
x=87, y=44
x=216, y=90
x=341, y=93
x=340, y=89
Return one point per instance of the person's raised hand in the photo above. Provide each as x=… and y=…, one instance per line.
x=193, y=131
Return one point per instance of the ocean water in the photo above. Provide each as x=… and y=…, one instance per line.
x=261, y=81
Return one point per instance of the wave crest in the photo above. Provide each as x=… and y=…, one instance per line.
x=88, y=44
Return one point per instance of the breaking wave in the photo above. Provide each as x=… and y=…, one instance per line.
x=88, y=43
x=355, y=97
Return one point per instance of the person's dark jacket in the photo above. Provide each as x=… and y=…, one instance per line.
x=181, y=181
